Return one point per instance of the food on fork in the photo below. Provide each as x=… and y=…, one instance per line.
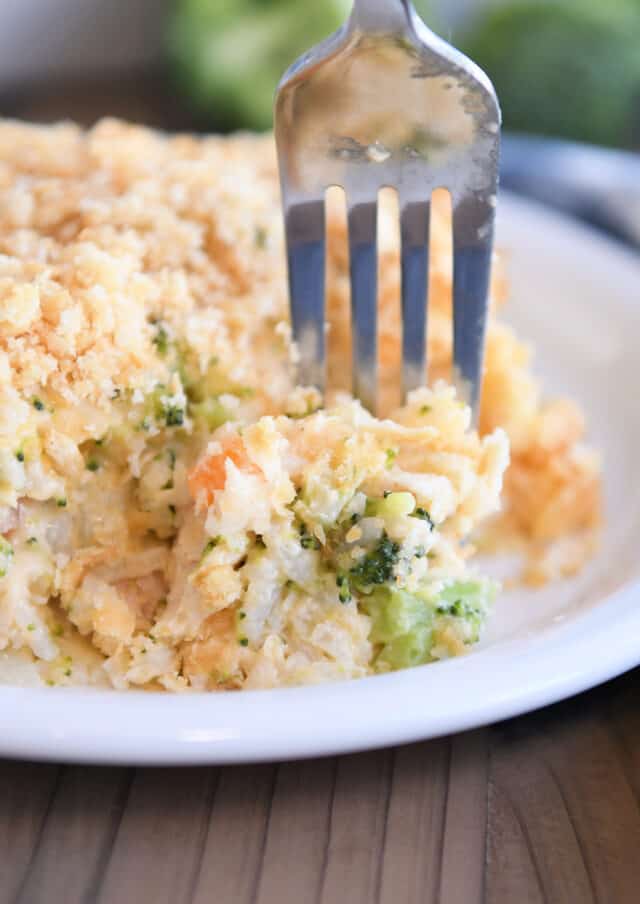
x=175, y=512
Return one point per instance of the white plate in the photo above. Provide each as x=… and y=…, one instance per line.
x=576, y=297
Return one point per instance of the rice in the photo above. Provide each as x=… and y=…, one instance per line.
x=175, y=512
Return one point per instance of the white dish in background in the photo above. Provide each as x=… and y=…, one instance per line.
x=576, y=297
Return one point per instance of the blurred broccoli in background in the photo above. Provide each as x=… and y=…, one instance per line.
x=569, y=68
x=228, y=55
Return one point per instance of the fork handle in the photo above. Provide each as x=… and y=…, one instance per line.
x=382, y=15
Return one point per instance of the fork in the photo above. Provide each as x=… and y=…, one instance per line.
x=382, y=103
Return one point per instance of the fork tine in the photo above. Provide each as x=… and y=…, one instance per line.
x=364, y=300
x=414, y=230
x=305, y=235
x=472, y=248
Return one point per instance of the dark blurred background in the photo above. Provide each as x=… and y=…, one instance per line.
x=568, y=69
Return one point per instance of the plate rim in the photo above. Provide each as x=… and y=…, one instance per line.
x=142, y=728
x=207, y=729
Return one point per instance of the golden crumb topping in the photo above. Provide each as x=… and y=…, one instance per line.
x=174, y=510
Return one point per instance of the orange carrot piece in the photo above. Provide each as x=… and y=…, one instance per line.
x=210, y=474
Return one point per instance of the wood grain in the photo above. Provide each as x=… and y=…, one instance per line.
x=412, y=856
x=26, y=792
x=357, y=829
x=158, y=846
x=233, y=852
x=540, y=809
x=78, y=828
x=563, y=809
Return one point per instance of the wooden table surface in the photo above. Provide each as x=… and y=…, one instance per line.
x=540, y=810
x=544, y=808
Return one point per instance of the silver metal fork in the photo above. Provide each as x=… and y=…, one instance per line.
x=385, y=102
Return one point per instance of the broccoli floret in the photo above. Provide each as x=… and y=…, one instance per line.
x=6, y=556
x=260, y=236
x=209, y=545
x=163, y=408
x=161, y=339
x=174, y=416
x=392, y=505
x=424, y=515
x=467, y=600
x=229, y=56
x=405, y=625
x=402, y=627
x=537, y=52
x=308, y=540
x=377, y=566
x=211, y=413
x=344, y=590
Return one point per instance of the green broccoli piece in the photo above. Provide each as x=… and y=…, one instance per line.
x=467, y=600
x=162, y=409
x=424, y=515
x=210, y=412
x=403, y=624
x=209, y=546
x=174, y=416
x=392, y=505
x=564, y=67
x=6, y=556
x=307, y=539
x=161, y=339
x=377, y=566
x=344, y=589
x=229, y=55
